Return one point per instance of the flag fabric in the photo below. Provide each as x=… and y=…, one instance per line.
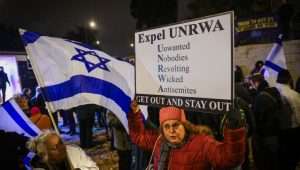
x=27, y=160
x=275, y=62
x=13, y=119
x=71, y=74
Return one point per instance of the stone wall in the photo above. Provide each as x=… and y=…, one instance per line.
x=247, y=55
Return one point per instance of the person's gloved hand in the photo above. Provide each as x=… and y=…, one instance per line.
x=236, y=118
x=134, y=107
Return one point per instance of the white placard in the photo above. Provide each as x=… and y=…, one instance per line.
x=187, y=65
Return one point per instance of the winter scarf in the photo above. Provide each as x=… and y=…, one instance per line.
x=165, y=152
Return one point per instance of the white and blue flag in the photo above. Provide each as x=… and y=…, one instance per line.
x=71, y=74
x=275, y=62
x=13, y=119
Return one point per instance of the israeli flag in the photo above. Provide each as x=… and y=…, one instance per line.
x=275, y=62
x=72, y=74
x=13, y=119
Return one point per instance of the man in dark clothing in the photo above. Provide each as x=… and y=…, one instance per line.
x=86, y=117
x=13, y=149
x=266, y=109
x=3, y=80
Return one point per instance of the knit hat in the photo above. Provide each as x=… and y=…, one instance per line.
x=171, y=113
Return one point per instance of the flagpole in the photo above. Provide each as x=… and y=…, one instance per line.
x=36, y=73
x=52, y=120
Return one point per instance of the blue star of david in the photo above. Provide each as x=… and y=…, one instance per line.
x=89, y=65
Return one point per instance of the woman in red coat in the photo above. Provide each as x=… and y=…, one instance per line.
x=175, y=147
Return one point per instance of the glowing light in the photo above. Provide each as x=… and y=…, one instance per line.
x=92, y=24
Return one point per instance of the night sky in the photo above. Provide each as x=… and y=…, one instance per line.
x=115, y=25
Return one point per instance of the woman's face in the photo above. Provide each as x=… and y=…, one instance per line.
x=56, y=149
x=173, y=131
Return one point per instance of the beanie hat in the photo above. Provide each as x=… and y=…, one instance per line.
x=35, y=110
x=171, y=113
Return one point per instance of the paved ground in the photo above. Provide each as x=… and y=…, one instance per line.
x=102, y=154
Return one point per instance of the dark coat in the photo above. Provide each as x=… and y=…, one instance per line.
x=3, y=79
x=13, y=149
x=266, y=110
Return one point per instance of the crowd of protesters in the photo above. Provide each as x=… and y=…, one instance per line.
x=273, y=118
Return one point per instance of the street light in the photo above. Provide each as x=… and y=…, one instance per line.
x=98, y=42
x=92, y=24
x=88, y=29
x=131, y=45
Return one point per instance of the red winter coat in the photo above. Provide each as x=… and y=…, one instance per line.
x=200, y=152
